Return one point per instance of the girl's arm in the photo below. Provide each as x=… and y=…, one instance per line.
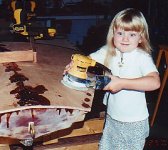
x=149, y=82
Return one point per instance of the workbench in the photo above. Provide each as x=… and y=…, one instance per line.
x=52, y=107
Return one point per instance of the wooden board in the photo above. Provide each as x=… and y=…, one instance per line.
x=16, y=56
x=33, y=92
x=4, y=147
x=79, y=129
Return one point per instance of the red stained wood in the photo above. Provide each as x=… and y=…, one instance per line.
x=64, y=105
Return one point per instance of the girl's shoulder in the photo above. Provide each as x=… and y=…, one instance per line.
x=143, y=56
x=100, y=54
x=104, y=48
x=142, y=53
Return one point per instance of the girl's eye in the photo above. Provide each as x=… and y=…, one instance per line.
x=119, y=33
x=132, y=34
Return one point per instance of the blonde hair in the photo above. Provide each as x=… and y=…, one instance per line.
x=129, y=20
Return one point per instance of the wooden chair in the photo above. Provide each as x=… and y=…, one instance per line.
x=162, y=52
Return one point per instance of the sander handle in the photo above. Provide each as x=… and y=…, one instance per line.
x=105, y=69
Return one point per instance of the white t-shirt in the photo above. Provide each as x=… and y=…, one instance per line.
x=127, y=105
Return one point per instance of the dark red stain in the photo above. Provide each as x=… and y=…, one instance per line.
x=69, y=110
x=11, y=67
x=30, y=116
x=24, y=121
x=88, y=94
x=15, y=104
x=27, y=95
x=85, y=105
x=7, y=119
x=17, y=112
x=32, y=113
x=17, y=77
x=87, y=100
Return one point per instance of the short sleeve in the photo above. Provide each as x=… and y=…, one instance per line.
x=99, y=55
x=147, y=64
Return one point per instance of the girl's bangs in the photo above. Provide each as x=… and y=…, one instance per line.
x=129, y=25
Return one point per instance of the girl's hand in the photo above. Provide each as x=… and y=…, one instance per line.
x=115, y=84
x=68, y=67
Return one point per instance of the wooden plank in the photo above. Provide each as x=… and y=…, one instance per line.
x=84, y=146
x=89, y=146
x=72, y=141
x=89, y=127
x=4, y=147
x=55, y=107
x=16, y=56
x=48, y=70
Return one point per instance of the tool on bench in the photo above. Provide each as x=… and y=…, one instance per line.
x=23, y=21
x=77, y=77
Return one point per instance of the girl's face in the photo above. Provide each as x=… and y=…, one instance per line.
x=126, y=41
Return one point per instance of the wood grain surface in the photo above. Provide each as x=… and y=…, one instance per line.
x=33, y=92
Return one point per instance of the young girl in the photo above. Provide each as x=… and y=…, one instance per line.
x=127, y=54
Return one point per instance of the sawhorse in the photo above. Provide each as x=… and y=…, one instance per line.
x=162, y=52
